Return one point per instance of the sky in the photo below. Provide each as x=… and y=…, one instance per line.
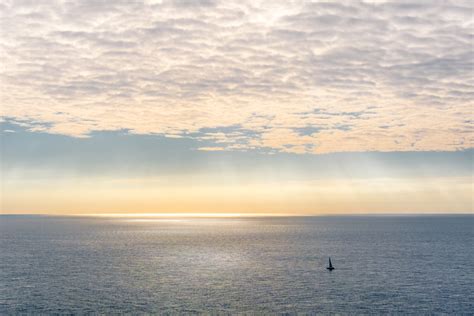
x=245, y=107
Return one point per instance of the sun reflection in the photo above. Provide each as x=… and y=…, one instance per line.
x=153, y=220
x=174, y=215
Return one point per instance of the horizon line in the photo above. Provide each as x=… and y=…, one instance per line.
x=229, y=215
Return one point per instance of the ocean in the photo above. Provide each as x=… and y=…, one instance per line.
x=384, y=264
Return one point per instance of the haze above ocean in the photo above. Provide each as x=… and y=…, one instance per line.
x=410, y=264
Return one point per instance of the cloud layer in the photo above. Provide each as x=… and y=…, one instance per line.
x=290, y=76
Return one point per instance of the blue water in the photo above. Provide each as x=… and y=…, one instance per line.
x=250, y=265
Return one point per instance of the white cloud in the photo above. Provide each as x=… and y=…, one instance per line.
x=366, y=76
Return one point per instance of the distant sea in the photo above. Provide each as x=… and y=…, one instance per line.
x=384, y=264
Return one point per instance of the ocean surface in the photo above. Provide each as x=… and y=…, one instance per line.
x=385, y=264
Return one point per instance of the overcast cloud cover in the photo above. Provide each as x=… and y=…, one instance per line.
x=289, y=76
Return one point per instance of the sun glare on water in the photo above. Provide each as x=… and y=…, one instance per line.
x=180, y=215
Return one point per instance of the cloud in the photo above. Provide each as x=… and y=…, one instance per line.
x=303, y=77
x=211, y=148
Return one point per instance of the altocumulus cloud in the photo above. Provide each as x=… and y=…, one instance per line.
x=289, y=76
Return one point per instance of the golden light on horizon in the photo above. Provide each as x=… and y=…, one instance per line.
x=152, y=198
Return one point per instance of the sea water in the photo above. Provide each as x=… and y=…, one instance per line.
x=384, y=264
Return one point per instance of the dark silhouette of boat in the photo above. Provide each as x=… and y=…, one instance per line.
x=330, y=267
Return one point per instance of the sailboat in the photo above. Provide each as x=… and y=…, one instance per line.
x=330, y=267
